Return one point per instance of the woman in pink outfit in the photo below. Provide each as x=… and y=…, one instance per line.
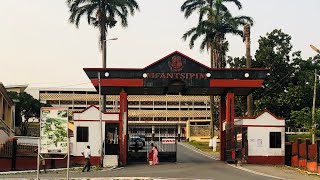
x=155, y=154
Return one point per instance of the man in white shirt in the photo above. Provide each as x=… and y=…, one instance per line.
x=87, y=154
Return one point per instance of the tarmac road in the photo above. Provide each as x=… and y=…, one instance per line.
x=190, y=165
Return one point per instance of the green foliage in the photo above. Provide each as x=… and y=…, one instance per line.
x=294, y=137
x=288, y=91
x=26, y=107
x=215, y=22
x=303, y=117
x=102, y=14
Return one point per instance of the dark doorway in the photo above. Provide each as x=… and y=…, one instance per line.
x=112, y=139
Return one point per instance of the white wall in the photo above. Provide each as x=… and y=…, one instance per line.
x=93, y=114
x=90, y=118
x=263, y=133
x=27, y=140
x=94, y=138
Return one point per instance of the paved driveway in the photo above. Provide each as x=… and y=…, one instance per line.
x=190, y=165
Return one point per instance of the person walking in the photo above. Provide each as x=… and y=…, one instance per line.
x=155, y=153
x=87, y=154
x=43, y=163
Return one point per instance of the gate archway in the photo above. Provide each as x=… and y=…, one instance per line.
x=177, y=73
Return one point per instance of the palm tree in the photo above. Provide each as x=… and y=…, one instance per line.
x=102, y=14
x=215, y=21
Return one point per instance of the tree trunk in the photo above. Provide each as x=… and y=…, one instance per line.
x=103, y=42
x=248, y=65
x=216, y=62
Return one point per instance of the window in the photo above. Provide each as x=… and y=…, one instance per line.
x=82, y=134
x=275, y=139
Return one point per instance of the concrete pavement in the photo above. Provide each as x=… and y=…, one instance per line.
x=190, y=165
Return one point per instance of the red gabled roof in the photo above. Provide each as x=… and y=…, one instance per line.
x=175, y=52
x=254, y=117
x=162, y=59
x=96, y=108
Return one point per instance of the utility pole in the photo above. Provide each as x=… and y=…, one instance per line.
x=246, y=38
x=100, y=121
x=104, y=65
x=314, y=98
x=314, y=106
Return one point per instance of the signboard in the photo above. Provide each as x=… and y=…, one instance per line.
x=54, y=130
x=168, y=141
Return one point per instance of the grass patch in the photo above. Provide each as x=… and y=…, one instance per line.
x=200, y=145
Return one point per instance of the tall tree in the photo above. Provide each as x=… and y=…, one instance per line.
x=215, y=22
x=288, y=91
x=104, y=15
x=27, y=108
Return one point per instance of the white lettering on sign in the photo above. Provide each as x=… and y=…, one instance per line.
x=168, y=141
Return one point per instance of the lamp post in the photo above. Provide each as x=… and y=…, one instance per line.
x=314, y=97
x=102, y=105
x=104, y=65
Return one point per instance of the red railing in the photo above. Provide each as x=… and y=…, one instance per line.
x=312, y=152
x=302, y=150
x=294, y=148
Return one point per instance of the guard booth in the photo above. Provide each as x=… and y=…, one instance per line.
x=174, y=74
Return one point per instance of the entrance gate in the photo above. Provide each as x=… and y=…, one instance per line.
x=162, y=136
x=177, y=74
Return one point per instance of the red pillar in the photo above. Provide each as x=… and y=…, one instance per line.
x=230, y=141
x=123, y=128
x=222, y=118
x=230, y=108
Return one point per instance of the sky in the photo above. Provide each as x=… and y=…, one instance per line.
x=39, y=47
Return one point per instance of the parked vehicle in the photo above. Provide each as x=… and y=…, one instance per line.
x=143, y=139
x=135, y=143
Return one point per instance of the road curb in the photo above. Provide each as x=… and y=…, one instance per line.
x=52, y=170
x=307, y=172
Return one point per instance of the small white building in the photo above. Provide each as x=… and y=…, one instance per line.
x=265, y=138
x=87, y=132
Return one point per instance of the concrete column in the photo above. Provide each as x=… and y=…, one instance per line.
x=123, y=129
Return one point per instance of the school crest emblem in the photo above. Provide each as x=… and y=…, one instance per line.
x=176, y=64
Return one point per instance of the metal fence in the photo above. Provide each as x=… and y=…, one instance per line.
x=6, y=150
x=27, y=149
x=149, y=134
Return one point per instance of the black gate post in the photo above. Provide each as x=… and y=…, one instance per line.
x=14, y=154
x=288, y=153
x=53, y=161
